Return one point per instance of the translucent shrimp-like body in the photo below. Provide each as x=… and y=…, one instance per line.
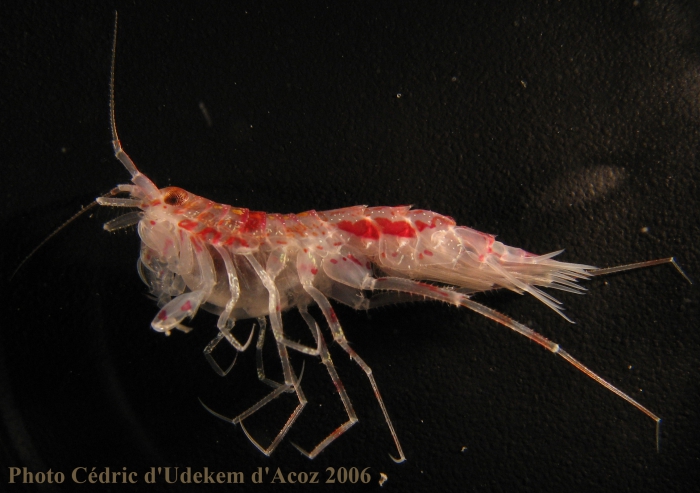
x=243, y=264
x=198, y=253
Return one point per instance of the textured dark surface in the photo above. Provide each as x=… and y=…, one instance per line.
x=552, y=124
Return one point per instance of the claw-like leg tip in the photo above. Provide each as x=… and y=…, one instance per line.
x=220, y=416
x=257, y=445
x=304, y=452
x=398, y=461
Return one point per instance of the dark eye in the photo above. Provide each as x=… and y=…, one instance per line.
x=175, y=196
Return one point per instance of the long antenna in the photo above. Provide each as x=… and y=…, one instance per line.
x=113, y=123
x=117, y=151
x=138, y=178
x=75, y=216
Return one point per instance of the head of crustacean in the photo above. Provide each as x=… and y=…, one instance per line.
x=167, y=262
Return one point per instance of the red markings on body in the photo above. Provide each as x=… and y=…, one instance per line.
x=162, y=315
x=234, y=240
x=351, y=257
x=434, y=221
x=362, y=228
x=210, y=234
x=187, y=306
x=153, y=223
x=255, y=222
x=396, y=228
x=434, y=289
x=421, y=225
x=334, y=261
x=428, y=253
x=314, y=270
x=334, y=317
x=188, y=224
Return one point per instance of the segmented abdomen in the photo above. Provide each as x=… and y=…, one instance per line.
x=418, y=244
x=396, y=238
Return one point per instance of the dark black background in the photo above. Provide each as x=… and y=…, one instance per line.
x=552, y=124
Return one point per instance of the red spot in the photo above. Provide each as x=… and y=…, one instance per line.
x=334, y=261
x=482, y=258
x=155, y=202
x=306, y=250
x=434, y=289
x=334, y=317
x=394, y=254
x=351, y=257
x=428, y=253
x=280, y=242
x=255, y=222
x=420, y=256
x=233, y=240
x=162, y=315
x=188, y=224
x=433, y=222
x=337, y=243
x=210, y=234
x=362, y=228
x=396, y=228
x=319, y=247
x=314, y=270
x=187, y=306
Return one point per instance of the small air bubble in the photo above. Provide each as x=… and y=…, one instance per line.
x=645, y=229
x=454, y=79
x=523, y=83
x=398, y=96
